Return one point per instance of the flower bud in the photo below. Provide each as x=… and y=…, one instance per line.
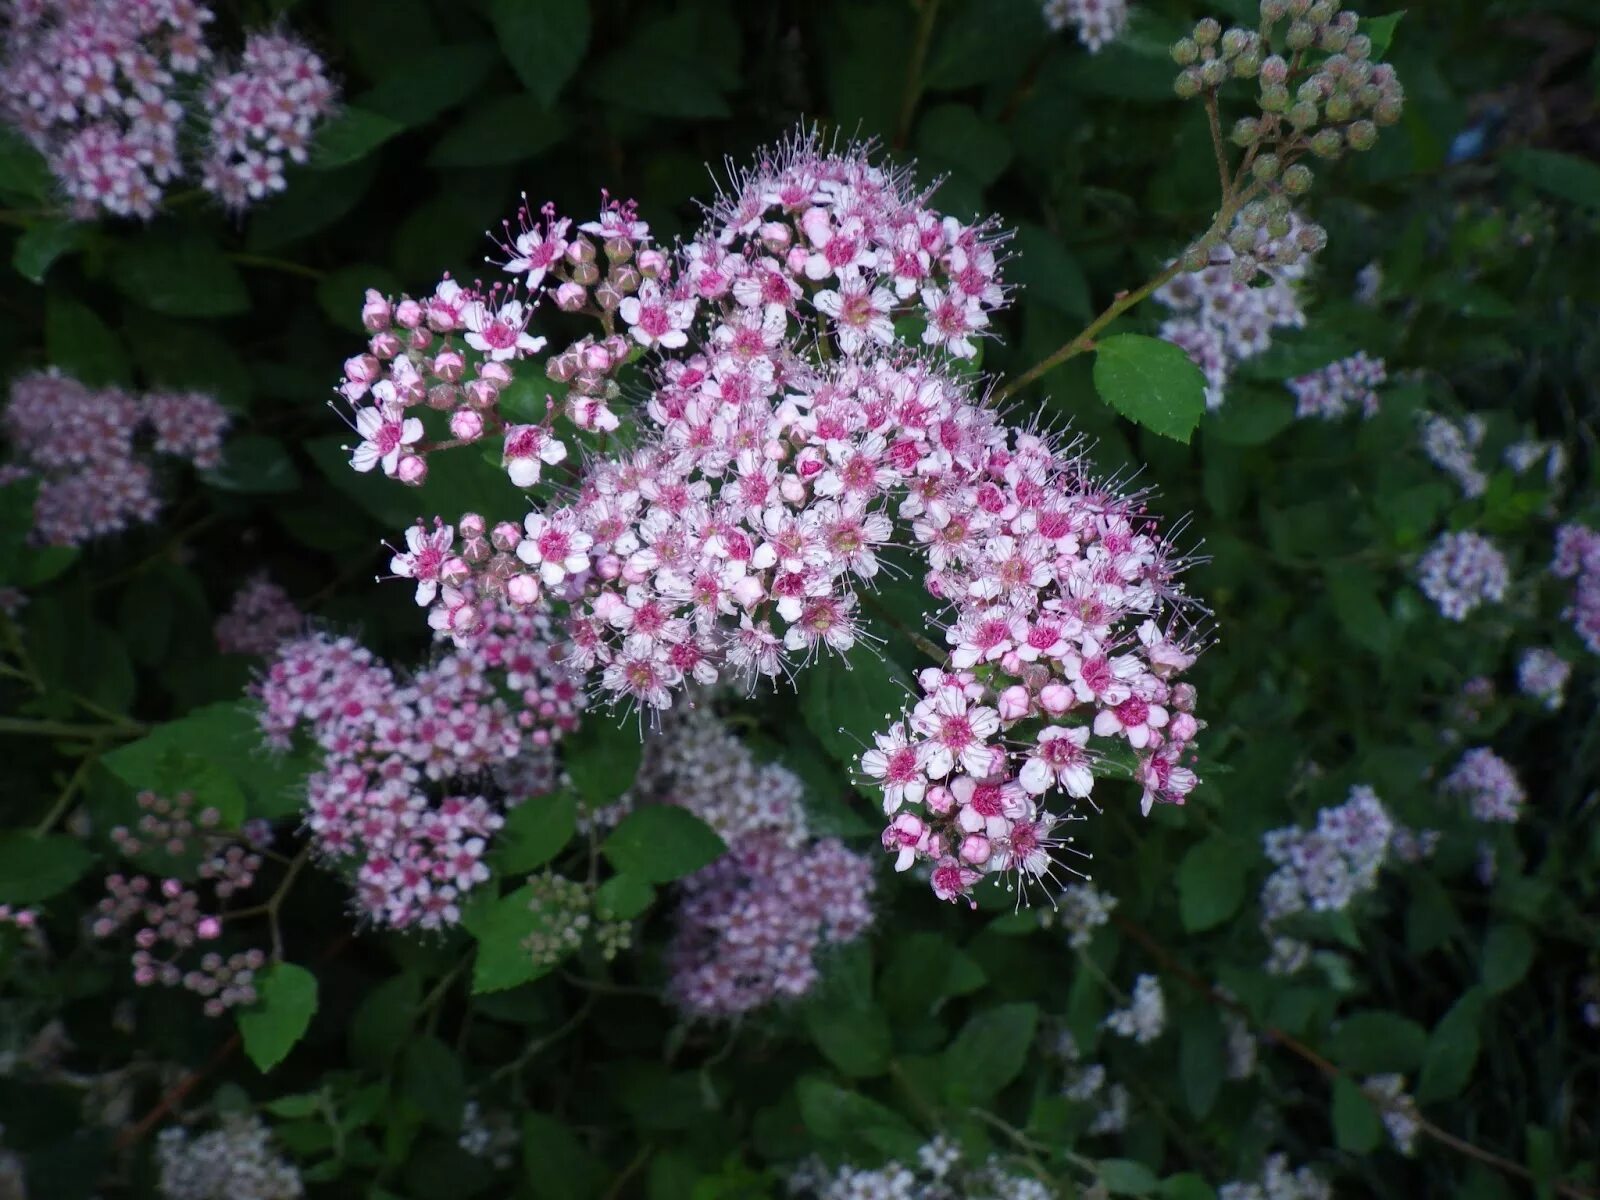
x=1247, y=65
x=975, y=849
x=1265, y=167
x=506, y=536
x=651, y=262
x=385, y=345
x=466, y=425
x=1333, y=39
x=608, y=296
x=420, y=338
x=1340, y=107
x=1245, y=131
x=448, y=364
x=1273, y=10
x=412, y=470
x=1300, y=35
x=1387, y=111
x=375, y=311
x=1303, y=114
x=1187, y=84
x=1056, y=698
x=408, y=314
x=1207, y=31
x=795, y=261
x=1363, y=135
x=775, y=236
x=1274, y=70
x=1321, y=11
x=361, y=369
x=625, y=278
x=580, y=250
x=1359, y=46
x=1214, y=73
x=1185, y=51
x=1297, y=179
x=471, y=525
x=1327, y=143
x=585, y=274
x=1235, y=42
x=1297, y=8
x=618, y=249
x=1274, y=98
x=441, y=397
x=522, y=590
x=1014, y=703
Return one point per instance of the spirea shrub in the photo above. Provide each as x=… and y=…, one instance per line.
x=520, y=769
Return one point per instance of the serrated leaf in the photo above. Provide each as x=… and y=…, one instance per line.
x=661, y=842
x=1124, y=1177
x=1357, y=1126
x=1151, y=382
x=602, y=759
x=1381, y=31
x=543, y=40
x=1452, y=1051
x=1211, y=881
x=847, y=1121
x=501, y=925
x=504, y=130
x=534, y=833
x=431, y=1079
x=37, y=868
x=989, y=1052
x=623, y=897
x=855, y=1039
x=845, y=698
x=286, y=1000
x=350, y=136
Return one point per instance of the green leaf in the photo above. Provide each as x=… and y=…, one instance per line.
x=500, y=926
x=286, y=1000
x=660, y=843
x=954, y=136
x=504, y=130
x=602, y=759
x=1202, y=1058
x=1151, y=382
x=182, y=276
x=42, y=244
x=1565, y=176
x=1452, y=1049
x=1048, y=272
x=1381, y=31
x=24, y=173
x=1187, y=1186
x=254, y=465
x=534, y=833
x=420, y=84
x=924, y=970
x=845, y=698
x=849, y=1122
x=1124, y=1177
x=555, y=1163
x=989, y=1052
x=1250, y=418
x=1372, y=1043
x=352, y=135
x=854, y=1038
x=1355, y=592
x=1507, y=955
x=431, y=1079
x=544, y=41
x=623, y=897
x=36, y=868
x=81, y=344
x=1211, y=881
x=1357, y=1127
x=381, y=1025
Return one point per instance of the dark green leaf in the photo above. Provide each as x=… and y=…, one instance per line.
x=602, y=759
x=1151, y=382
x=183, y=276
x=989, y=1052
x=1565, y=176
x=1507, y=955
x=1124, y=1177
x=660, y=843
x=24, y=174
x=855, y=1039
x=381, y=1026
x=534, y=833
x=1211, y=881
x=846, y=1121
x=1048, y=272
x=352, y=135
x=846, y=698
x=1202, y=1058
x=623, y=897
x=544, y=41
x=431, y=1079
x=1452, y=1049
x=1381, y=31
x=424, y=82
x=1373, y=1043
x=954, y=136
x=507, y=130
x=501, y=925
x=1249, y=418
x=286, y=1001
x=555, y=1163
x=37, y=868
x=254, y=465
x=1357, y=1127
x=80, y=344
x=42, y=244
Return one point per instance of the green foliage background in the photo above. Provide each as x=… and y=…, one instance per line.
x=1325, y=650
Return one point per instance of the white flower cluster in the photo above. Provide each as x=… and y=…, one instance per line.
x=234, y=1162
x=940, y=1173
x=1145, y=1018
x=1080, y=909
x=1085, y=1083
x=1278, y=1182
x=1399, y=1110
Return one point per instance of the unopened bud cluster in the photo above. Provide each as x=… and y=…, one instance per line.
x=567, y=912
x=1320, y=95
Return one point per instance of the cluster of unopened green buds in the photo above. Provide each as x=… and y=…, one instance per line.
x=1320, y=90
x=568, y=911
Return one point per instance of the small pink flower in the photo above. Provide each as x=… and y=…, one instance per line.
x=528, y=449
x=501, y=335
x=424, y=558
x=385, y=432
x=906, y=835
x=951, y=879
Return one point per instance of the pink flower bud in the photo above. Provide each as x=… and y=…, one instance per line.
x=522, y=590
x=385, y=345
x=466, y=425
x=209, y=927
x=420, y=338
x=747, y=593
x=634, y=573
x=975, y=849
x=471, y=525
x=448, y=364
x=482, y=394
x=795, y=261
x=792, y=490
x=375, y=311
x=506, y=536
x=1014, y=703
x=595, y=358
x=606, y=606
x=171, y=888
x=1055, y=698
x=570, y=297
x=609, y=567
x=1183, y=727
x=651, y=262
x=441, y=397
x=775, y=236
x=361, y=369
x=412, y=470
x=408, y=313
x=939, y=801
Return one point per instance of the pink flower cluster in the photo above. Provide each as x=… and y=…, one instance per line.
x=1488, y=784
x=1578, y=558
x=84, y=445
x=96, y=86
x=1543, y=674
x=262, y=113
x=731, y=540
x=1336, y=389
x=1462, y=571
x=388, y=744
x=750, y=925
x=171, y=919
x=259, y=619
